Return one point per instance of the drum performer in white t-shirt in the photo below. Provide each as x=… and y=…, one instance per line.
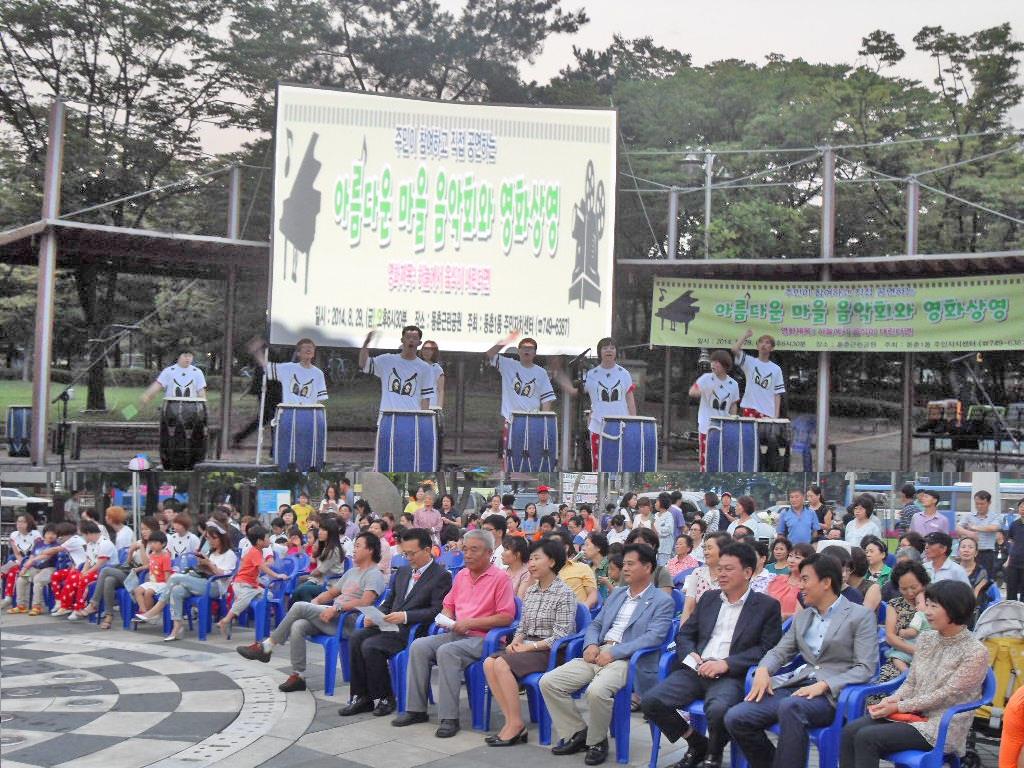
x=302, y=383
x=525, y=386
x=610, y=388
x=406, y=380
x=719, y=396
x=179, y=380
x=430, y=353
x=762, y=395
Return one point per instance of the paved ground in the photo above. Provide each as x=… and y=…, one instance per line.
x=75, y=697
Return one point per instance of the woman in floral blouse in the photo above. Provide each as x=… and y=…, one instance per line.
x=948, y=668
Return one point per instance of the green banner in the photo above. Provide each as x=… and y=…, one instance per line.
x=894, y=316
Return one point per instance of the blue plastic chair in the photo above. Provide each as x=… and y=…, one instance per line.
x=127, y=603
x=697, y=719
x=204, y=604
x=270, y=609
x=994, y=595
x=679, y=599
x=535, y=701
x=915, y=758
x=453, y=560
x=680, y=577
x=336, y=649
x=397, y=561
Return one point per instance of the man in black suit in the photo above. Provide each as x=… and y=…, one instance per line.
x=731, y=629
x=417, y=592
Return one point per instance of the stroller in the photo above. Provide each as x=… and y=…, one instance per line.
x=1001, y=628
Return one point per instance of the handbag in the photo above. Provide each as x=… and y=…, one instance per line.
x=907, y=717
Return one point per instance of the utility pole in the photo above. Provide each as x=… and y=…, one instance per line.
x=828, y=238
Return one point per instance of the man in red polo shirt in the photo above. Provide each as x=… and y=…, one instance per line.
x=480, y=599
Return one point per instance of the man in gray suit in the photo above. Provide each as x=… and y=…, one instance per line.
x=838, y=641
x=635, y=616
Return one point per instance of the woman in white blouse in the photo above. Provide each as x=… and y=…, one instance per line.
x=864, y=522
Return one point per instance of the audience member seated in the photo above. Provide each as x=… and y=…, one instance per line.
x=903, y=619
x=704, y=579
x=938, y=546
x=329, y=555
x=856, y=573
x=635, y=616
x=480, y=599
x=513, y=559
x=786, y=589
x=948, y=668
x=416, y=596
x=806, y=697
x=221, y=560
x=682, y=560
x=731, y=630
x=875, y=551
x=548, y=613
x=361, y=585
x=579, y=577
x=661, y=579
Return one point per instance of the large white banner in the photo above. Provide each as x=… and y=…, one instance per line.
x=467, y=220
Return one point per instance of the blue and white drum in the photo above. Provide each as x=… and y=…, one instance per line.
x=19, y=429
x=732, y=444
x=532, y=442
x=300, y=437
x=628, y=444
x=183, y=432
x=407, y=441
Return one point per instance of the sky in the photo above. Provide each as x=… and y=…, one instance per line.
x=819, y=32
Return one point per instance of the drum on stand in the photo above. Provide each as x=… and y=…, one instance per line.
x=532, y=442
x=407, y=441
x=183, y=432
x=775, y=436
x=19, y=430
x=629, y=444
x=732, y=444
x=300, y=437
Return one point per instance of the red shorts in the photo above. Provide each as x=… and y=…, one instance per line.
x=752, y=413
x=595, y=450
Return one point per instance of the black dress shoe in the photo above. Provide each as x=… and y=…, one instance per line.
x=495, y=741
x=698, y=749
x=384, y=707
x=576, y=743
x=446, y=729
x=713, y=762
x=409, y=718
x=597, y=753
x=357, y=706
x=292, y=684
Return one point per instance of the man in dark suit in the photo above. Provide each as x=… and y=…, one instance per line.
x=730, y=631
x=416, y=596
x=838, y=642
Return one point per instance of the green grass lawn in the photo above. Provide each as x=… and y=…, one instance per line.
x=351, y=404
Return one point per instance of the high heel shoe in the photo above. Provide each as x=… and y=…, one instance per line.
x=520, y=738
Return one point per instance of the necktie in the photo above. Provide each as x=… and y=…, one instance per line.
x=416, y=575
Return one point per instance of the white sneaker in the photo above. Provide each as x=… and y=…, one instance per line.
x=76, y=616
x=5, y=603
x=61, y=612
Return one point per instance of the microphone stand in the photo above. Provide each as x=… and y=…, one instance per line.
x=62, y=426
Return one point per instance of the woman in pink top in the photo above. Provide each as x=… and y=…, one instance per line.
x=786, y=589
x=514, y=556
x=683, y=559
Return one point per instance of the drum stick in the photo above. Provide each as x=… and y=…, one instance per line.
x=263, y=405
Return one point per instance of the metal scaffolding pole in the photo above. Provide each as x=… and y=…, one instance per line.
x=45, y=304
x=666, y=415
x=709, y=165
x=828, y=237
x=906, y=420
x=673, y=224
x=227, y=356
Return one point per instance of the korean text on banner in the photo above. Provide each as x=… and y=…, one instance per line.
x=467, y=220
x=942, y=314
